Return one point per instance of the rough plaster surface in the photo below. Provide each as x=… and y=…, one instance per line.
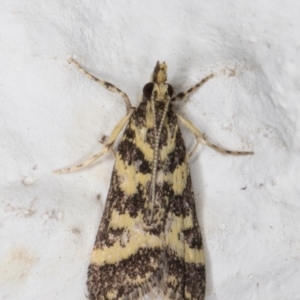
x=52, y=116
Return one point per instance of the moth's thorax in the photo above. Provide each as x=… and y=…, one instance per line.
x=156, y=116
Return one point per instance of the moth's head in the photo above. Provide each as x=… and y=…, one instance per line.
x=158, y=89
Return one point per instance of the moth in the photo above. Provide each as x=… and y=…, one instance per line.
x=149, y=240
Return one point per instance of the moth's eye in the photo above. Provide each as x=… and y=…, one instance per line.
x=147, y=90
x=170, y=90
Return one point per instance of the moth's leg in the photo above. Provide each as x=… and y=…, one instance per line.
x=103, y=142
x=108, y=146
x=201, y=139
x=185, y=94
x=103, y=83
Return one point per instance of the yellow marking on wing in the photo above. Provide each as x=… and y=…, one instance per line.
x=149, y=116
x=138, y=239
x=142, y=144
x=178, y=178
x=111, y=294
x=183, y=250
x=172, y=279
x=187, y=294
x=141, y=134
x=130, y=177
x=125, y=221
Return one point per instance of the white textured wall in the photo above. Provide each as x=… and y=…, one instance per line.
x=52, y=116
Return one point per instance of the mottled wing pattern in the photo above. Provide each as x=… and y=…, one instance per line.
x=126, y=257
x=185, y=276
x=131, y=257
x=185, y=256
